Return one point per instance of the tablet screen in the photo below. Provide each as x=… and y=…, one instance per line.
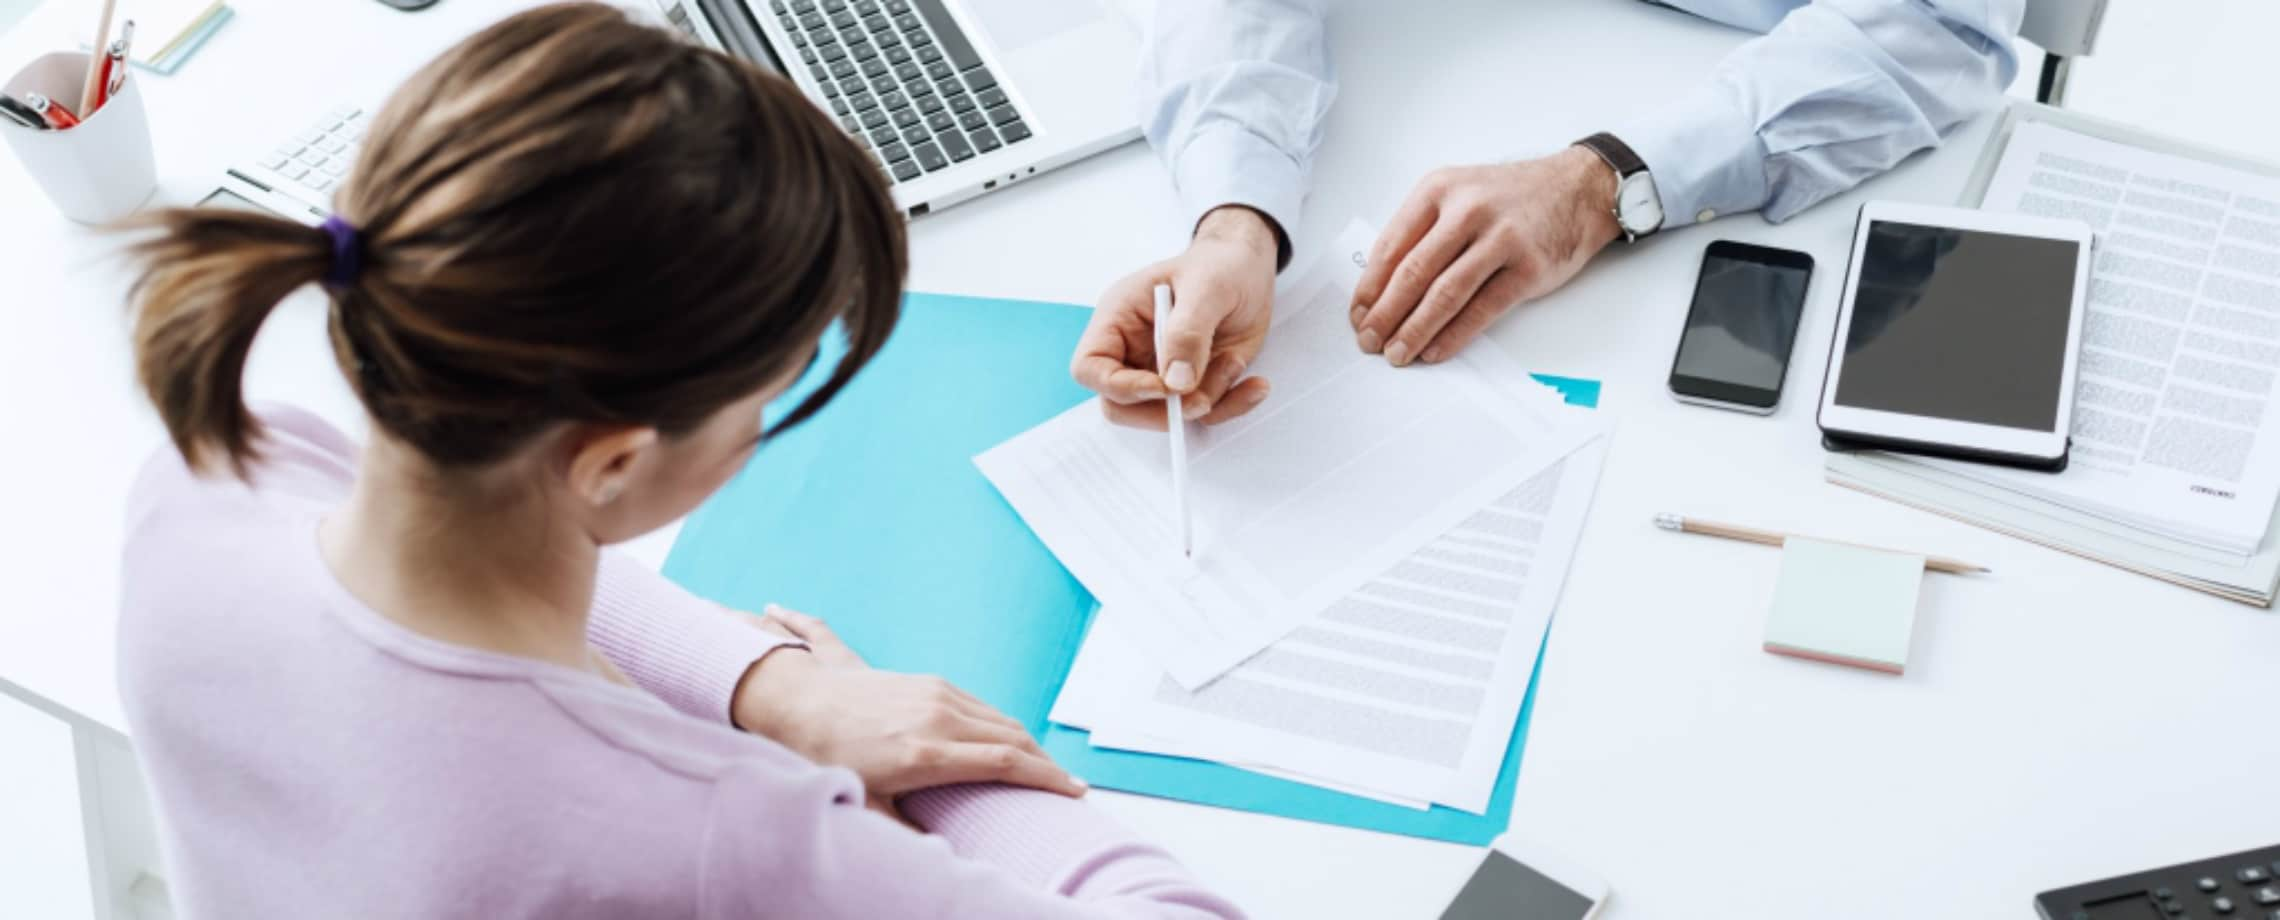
x=1964, y=325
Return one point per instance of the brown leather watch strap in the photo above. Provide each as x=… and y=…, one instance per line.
x=1626, y=163
x=1617, y=154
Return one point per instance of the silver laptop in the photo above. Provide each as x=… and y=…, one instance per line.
x=952, y=97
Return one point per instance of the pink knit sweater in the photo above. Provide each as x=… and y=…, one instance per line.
x=311, y=758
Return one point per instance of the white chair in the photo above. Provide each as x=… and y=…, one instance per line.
x=2064, y=30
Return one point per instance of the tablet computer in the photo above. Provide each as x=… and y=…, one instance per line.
x=1958, y=335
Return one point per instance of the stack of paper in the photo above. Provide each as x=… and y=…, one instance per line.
x=1404, y=691
x=1377, y=558
x=2175, y=460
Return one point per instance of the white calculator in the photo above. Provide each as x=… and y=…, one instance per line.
x=298, y=177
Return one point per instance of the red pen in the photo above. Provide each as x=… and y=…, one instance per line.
x=103, y=81
x=115, y=64
x=57, y=116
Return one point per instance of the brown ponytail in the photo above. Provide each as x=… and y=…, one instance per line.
x=570, y=217
x=212, y=276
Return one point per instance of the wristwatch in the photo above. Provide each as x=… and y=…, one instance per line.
x=1638, y=207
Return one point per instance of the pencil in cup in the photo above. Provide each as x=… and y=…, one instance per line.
x=89, y=94
x=1683, y=524
x=100, y=169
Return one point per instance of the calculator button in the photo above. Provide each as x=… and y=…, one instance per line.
x=2164, y=894
x=2253, y=875
x=2268, y=895
x=2222, y=905
x=2207, y=883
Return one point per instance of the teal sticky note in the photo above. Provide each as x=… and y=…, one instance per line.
x=872, y=516
x=1844, y=604
x=1578, y=391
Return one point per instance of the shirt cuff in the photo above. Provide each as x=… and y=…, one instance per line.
x=1227, y=165
x=1704, y=153
x=683, y=649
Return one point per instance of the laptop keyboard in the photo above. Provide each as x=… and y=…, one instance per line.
x=901, y=76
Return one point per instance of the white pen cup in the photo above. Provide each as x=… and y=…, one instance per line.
x=98, y=171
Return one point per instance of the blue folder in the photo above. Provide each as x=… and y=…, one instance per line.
x=873, y=517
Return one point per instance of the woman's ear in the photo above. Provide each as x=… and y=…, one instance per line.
x=603, y=461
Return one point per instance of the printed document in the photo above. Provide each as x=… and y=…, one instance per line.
x=1407, y=687
x=1110, y=674
x=2174, y=426
x=1348, y=468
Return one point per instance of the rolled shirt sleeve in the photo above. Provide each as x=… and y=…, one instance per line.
x=1233, y=97
x=1836, y=92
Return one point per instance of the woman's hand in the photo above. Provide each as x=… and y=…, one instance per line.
x=899, y=732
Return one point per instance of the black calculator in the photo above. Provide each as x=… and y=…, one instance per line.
x=2243, y=886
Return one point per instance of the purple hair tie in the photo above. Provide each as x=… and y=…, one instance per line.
x=347, y=252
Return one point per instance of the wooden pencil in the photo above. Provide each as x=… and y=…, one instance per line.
x=93, y=91
x=1771, y=538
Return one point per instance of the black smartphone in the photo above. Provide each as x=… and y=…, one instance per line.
x=1521, y=882
x=1747, y=303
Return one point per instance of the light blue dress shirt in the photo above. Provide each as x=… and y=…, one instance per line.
x=1235, y=93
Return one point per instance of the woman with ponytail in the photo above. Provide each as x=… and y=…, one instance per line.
x=575, y=263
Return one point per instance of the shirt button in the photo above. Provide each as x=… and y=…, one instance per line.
x=1706, y=216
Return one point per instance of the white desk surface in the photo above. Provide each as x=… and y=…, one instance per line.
x=2059, y=721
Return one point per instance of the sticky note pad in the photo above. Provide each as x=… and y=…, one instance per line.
x=1844, y=604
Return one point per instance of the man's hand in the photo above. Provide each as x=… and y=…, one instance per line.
x=1223, y=290
x=1473, y=241
x=899, y=732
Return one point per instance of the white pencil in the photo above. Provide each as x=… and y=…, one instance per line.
x=1174, y=421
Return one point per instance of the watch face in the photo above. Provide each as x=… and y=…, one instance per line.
x=1638, y=207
